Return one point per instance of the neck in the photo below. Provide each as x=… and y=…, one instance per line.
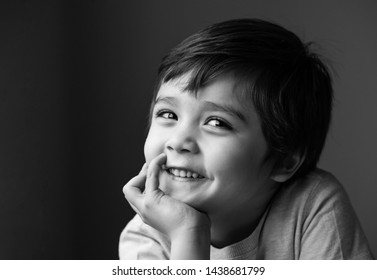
x=229, y=228
x=225, y=233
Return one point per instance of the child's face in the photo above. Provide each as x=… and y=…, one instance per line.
x=214, y=145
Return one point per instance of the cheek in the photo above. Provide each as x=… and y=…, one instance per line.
x=230, y=166
x=235, y=164
x=153, y=147
x=148, y=150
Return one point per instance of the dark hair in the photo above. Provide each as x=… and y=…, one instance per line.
x=290, y=86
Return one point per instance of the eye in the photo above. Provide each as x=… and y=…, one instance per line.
x=166, y=114
x=218, y=123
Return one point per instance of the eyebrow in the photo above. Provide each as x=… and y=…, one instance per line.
x=169, y=100
x=208, y=105
x=226, y=109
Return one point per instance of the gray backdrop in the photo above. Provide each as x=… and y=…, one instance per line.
x=75, y=86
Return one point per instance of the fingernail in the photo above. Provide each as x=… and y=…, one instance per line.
x=164, y=156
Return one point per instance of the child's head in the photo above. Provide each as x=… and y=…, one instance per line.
x=238, y=106
x=289, y=85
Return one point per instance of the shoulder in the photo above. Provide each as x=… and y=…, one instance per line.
x=317, y=182
x=312, y=196
x=140, y=241
x=320, y=193
x=316, y=189
x=321, y=190
x=314, y=219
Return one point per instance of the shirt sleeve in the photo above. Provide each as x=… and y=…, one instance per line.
x=139, y=241
x=331, y=229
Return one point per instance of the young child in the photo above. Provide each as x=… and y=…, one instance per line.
x=239, y=118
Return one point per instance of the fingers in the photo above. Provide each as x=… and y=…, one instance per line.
x=155, y=166
x=144, y=169
x=146, y=181
x=133, y=190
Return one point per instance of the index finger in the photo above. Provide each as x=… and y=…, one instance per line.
x=155, y=166
x=133, y=190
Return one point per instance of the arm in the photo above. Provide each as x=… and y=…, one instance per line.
x=187, y=228
x=138, y=241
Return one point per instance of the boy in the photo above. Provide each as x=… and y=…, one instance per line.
x=239, y=118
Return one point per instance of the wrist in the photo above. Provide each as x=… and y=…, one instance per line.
x=192, y=240
x=191, y=243
x=197, y=225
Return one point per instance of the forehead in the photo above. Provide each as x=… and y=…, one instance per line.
x=224, y=88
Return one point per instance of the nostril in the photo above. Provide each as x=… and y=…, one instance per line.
x=178, y=149
x=182, y=144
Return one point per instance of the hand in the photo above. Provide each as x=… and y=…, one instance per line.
x=179, y=221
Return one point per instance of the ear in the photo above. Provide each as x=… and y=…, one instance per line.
x=287, y=168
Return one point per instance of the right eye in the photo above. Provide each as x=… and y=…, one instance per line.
x=166, y=114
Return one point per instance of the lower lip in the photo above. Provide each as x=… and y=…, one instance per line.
x=183, y=179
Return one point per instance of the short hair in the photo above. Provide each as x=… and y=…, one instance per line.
x=289, y=85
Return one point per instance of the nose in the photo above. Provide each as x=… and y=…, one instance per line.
x=182, y=140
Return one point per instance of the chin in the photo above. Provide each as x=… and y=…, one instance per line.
x=183, y=196
x=189, y=192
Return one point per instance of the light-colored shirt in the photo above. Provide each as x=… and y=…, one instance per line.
x=311, y=218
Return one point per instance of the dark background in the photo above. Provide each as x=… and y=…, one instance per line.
x=75, y=86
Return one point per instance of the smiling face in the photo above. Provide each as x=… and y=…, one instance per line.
x=216, y=151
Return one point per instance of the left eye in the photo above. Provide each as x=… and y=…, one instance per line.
x=215, y=122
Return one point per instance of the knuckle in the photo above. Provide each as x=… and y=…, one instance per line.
x=124, y=189
x=127, y=192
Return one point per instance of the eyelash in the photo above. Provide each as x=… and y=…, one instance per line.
x=223, y=124
x=160, y=113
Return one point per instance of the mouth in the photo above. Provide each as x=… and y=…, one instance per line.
x=183, y=173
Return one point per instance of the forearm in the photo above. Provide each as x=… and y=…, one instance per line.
x=191, y=245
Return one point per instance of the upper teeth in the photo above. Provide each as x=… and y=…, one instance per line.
x=184, y=173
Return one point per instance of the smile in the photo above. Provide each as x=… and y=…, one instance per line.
x=182, y=173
